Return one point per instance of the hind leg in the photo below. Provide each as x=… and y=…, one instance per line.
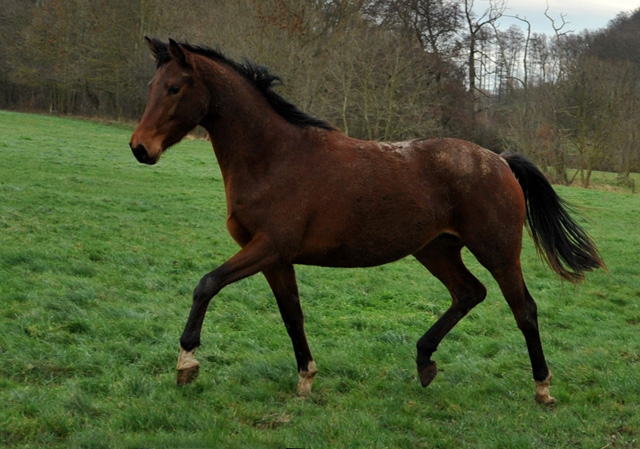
x=502, y=258
x=525, y=312
x=443, y=259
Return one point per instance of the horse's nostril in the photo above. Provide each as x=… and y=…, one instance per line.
x=140, y=152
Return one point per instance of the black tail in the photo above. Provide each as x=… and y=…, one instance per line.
x=558, y=238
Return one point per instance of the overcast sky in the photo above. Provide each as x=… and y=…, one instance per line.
x=582, y=14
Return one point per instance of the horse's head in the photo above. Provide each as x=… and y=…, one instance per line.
x=177, y=102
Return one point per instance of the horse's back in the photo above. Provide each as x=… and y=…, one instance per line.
x=461, y=160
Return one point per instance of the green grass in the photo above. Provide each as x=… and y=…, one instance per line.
x=99, y=256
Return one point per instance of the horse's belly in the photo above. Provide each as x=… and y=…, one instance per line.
x=365, y=246
x=343, y=257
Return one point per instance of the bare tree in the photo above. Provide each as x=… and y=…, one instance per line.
x=477, y=25
x=509, y=63
x=599, y=97
x=383, y=88
x=433, y=23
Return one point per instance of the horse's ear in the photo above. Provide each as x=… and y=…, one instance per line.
x=180, y=55
x=153, y=46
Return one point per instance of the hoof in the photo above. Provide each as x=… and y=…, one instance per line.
x=186, y=376
x=542, y=392
x=547, y=400
x=427, y=373
x=306, y=380
x=187, y=368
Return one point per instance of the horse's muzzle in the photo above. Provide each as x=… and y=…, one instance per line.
x=141, y=154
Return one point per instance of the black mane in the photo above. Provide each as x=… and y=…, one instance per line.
x=257, y=74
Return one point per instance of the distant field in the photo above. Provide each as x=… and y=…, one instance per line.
x=99, y=256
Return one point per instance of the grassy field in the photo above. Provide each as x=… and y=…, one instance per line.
x=99, y=256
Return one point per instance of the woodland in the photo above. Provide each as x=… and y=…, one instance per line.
x=377, y=69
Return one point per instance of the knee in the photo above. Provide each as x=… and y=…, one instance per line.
x=470, y=296
x=207, y=288
x=480, y=294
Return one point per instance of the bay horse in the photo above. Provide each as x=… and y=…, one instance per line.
x=300, y=191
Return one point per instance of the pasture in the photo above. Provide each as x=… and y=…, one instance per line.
x=99, y=256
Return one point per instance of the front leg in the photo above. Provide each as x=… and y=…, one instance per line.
x=282, y=280
x=256, y=256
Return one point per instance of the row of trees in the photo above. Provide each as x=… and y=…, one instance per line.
x=379, y=69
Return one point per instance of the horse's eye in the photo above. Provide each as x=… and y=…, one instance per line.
x=173, y=90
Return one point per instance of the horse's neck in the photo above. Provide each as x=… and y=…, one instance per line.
x=241, y=144
x=247, y=133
